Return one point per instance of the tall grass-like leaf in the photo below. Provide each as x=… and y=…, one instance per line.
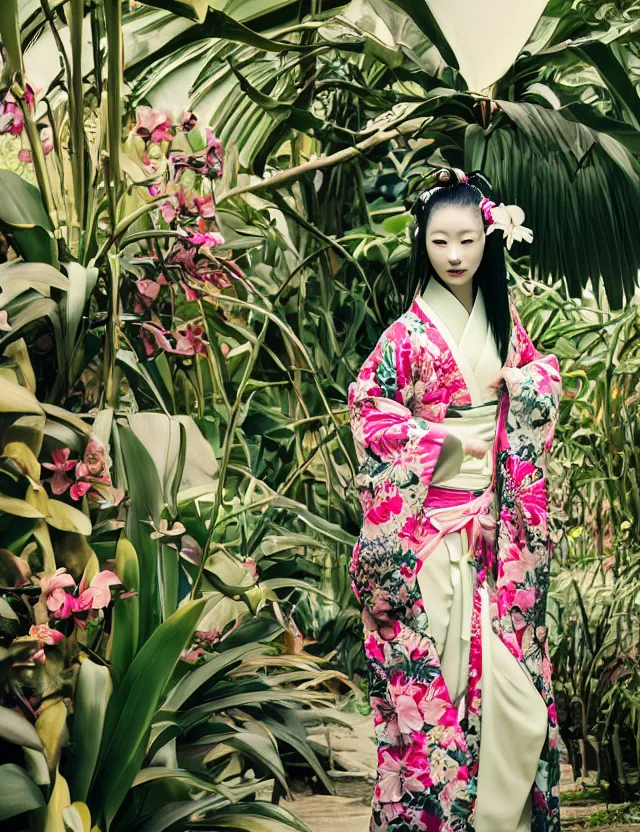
x=200, y=677
x=132, y=707
x=146, y=505
x=93, y=690
x=256, y=817
x=125, y=625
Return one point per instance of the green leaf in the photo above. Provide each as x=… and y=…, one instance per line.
x=615, y=76
x=19, y=508
x=132, y=707
x=15, y=728
x=202, y=675
x=67, y=518
x=10, y=34
x=93, y=689
x=41, y=276
x=192, y=9
x=17, y=399
x=81, y=282
x=146, y=505
x=422, y=16
x=24, y=219
x=252, y=816
x=125, y=627
x=19, y=793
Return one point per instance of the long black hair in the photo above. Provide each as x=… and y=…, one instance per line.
x=491, y=276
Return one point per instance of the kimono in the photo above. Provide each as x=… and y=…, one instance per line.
x=428, y=737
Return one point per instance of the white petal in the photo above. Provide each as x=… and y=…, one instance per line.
x=501, y=215
x=516, y=213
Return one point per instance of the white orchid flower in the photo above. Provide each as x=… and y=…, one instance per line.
x=509, y=219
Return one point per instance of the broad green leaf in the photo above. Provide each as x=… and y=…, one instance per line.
x=133, y=705
x=17, y=399
x=19, y=508
x=51, y=726
x=19, y=793
x=67, y=518
x=40, y=276
x=24, y=219
x=93, y=690
x=15, y=728
x=17, y=351
x=62, y=415
x=422, y=15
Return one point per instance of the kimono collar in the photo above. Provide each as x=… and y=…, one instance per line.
x=452, y=312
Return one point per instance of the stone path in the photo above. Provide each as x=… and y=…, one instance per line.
x=352, y=760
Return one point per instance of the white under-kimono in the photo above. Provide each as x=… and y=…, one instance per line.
x=514, y=716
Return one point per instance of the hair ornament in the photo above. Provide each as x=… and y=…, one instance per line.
x=507, y=218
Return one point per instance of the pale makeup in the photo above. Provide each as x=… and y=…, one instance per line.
x=455, y=239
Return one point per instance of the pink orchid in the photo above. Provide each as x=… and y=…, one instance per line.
x=148, y=291
x=207, y=162
x=205, y=206
x=11, y=117
x=192, y=655
x=24, y=156
x=209, y=637
x=169, y=209
x=5, y=326
x=99, y=590
x=44, y=635
x=46, y=138
x=153, y=125
x=206, y=240
x=61, y=464
x=188, y=121
x=53, y=588
x=79, y=489
x=190, y=340
x=95, y=457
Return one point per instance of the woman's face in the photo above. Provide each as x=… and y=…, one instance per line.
x=455, y=243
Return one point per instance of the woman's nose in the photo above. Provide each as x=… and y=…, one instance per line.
x=453, y=256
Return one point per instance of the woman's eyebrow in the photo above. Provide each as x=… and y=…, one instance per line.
x=465, y=231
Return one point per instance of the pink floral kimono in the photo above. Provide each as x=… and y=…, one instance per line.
x=428, y=746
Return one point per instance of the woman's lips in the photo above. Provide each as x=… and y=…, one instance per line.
x=456, y=271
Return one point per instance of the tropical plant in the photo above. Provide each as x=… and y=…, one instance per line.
x=594, y=606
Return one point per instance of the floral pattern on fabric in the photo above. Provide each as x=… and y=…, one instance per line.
x=428, y=750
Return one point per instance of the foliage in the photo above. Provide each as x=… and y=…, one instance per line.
x=182, y=290
x=595, y=588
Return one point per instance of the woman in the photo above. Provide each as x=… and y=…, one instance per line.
x=453, y=416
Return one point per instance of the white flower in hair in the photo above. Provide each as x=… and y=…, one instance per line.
x=509, y=219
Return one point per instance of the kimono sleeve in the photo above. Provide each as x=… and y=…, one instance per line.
x=384, y=427
x=534, y=384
